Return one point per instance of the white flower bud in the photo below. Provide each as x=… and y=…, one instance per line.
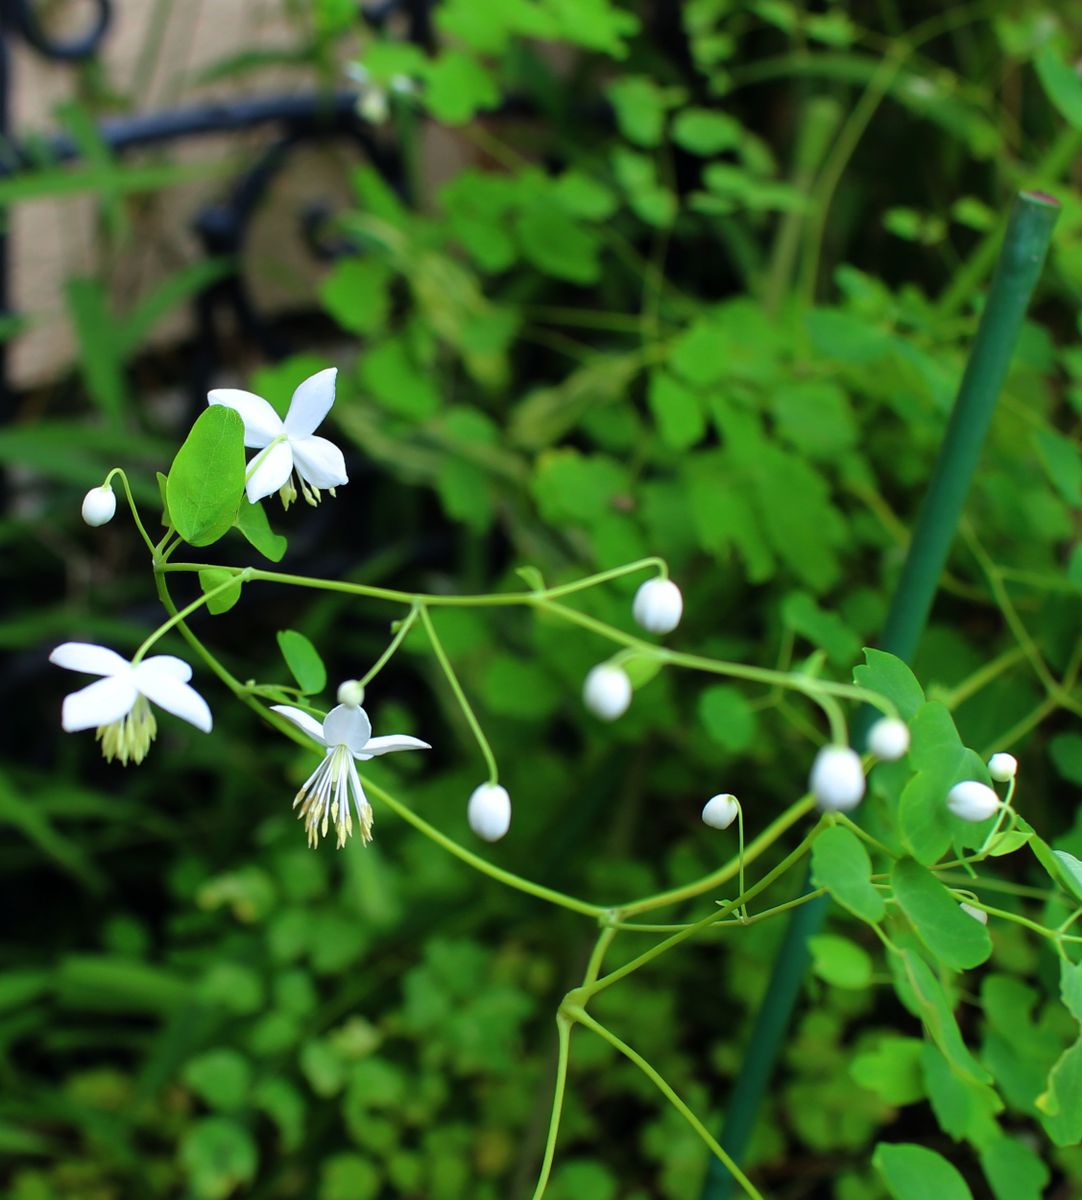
x=607, y=692
x=721, y=811
x=837, y=779
x=888, y=739
x=99, y=505
x=1002, y=767
x=373, y=105
x=978, y=914
x=658, y=606
x=351, y=693
x=972, y=801
x=489, y=811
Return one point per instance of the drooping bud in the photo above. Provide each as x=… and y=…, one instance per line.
x=1003, y=767
x=658, y=606
x=351, y=693
x=607, y=691
x=972, y=800
x=888, y=739
x=978, y=914
x=99, y=506
x=489, y=811
x=837, y=779
x=721, y=811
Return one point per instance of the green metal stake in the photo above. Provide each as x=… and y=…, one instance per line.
x=1021, y=258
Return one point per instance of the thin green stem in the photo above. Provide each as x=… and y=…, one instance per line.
x=755, y=918
x=132, y=505
x=510, y=880
x=405, y=625
x=460, y=696
x=178, y=617
x=563, y=1032
x=715, y=879
x=663, y=1086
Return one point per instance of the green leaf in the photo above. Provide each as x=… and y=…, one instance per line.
x=1065, y=750
x=729, y=718
x=253, y=524
x=457, y=86
x=892, y=1069
x=677, y=411
x=557, y=245
x=349, y=1176
x=840, y=962
x=922, y=993
x=219, y=1156
x=1061, y=1102
x=814, y=416
x=303, y=660
x=221, y=1078
x=917, y=1173
x=823, y=628
x=640, y=107
x=953, y=937
x=357, y=294
x=584, y=197
x=1070, y=871
x=100, y=354
x=1013, y=1169
x=1062, y=462
x=890, y=677
x=1061, y=85
x=705, y=132
x=163, y=482
x=206, y=480
x=214, y=577
x=1070, y=987
x=964, y=1108
x=840, y=863
x=394, y=379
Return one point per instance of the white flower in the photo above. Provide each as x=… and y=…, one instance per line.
x=1003, y=767
x=607, y=692
x=351, y=693
x=837, y=779
x=345, y=733
x=978, y=914
x=116, y=705
x=288, y=446
x=888, y=739
x=972, y=800
x=489, y=811
x=721, y=811
x=99, y=505
x=658, y=606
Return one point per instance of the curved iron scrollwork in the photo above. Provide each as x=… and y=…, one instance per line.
x=22, y=15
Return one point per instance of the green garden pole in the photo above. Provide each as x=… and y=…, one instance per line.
x=1021, y=258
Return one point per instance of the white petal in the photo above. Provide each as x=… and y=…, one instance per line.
x=311, y=403
x=88, y=658
x=319, y=462
x=99, y=703
x=175, y=697
x=347, y=726
x=261, y=423
x=167, y=665
x=302, y=720
x=387, y=745
x=273, y=470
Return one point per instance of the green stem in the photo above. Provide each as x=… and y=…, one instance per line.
x=663, y=1086
x=178, y=617
x=131, y=504
x=405, y=625
x=563, y=1032
x=479, y=864
x=460, y=696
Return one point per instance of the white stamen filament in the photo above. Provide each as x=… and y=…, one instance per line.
x=324, y=799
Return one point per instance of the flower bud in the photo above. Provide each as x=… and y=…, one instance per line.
x=721, y=811
x=837, y=779
x=99, y=505
x=658, y=606
x=489, y=811
x=1003, y=767
x=978, y=914
x=351, y=693
x=607, y=692
x=972, y=800
x=888, y=739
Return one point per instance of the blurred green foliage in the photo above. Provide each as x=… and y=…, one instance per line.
x=705, y=291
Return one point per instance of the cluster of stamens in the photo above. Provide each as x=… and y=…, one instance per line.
x=129, y=738
x=324, y=799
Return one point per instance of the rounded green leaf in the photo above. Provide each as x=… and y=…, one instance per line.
x=840, y=962
x=303, y=660
x=206, y=481
x=917, y=1173
x=953, y=937
x=841, y=865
